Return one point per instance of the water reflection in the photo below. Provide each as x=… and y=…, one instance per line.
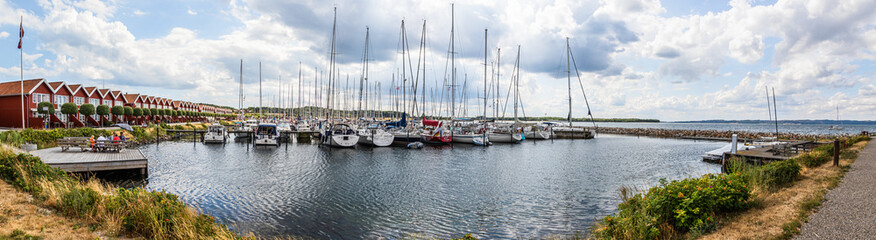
x=527, y=190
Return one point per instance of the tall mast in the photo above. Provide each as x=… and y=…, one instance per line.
x=299, y=91
x=240, y=90
x=776, y=112
x=260, y=89
x=452, y=65
x=423, y=47
x=331, y=65
x=404, y=78
x=517, y=83
x=364, y=78
x=769, y=111
x=569, y=71
x=485, y=76
x=498, y=77
x=279, y=94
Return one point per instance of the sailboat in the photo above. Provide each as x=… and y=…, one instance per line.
x=335, y=134
x=838, y=126
x=510, y=132
x=434, y=131
x=473, y=133
x=370, y=134
x=572, y=132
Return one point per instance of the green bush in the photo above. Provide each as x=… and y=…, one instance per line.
x=69, y=108
x=817, y=157
x=11, y=137
x=138, y=112
x=45, y=108
x=86, y=109
x=118, y=110
x=683, y=205
x=778, y=174
x=78, y=201
x=31, y=166
x=129, y=111
x=103, y=110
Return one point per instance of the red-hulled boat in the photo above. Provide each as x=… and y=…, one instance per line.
x=435, y=133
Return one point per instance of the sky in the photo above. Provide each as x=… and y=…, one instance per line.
x=669, y=60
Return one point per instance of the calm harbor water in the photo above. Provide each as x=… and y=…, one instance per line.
x=528, y=190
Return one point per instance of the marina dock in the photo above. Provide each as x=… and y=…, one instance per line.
x=77, y=161
x=772, y=153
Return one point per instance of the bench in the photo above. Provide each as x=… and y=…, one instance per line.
x=108, y=146
x=83, y=143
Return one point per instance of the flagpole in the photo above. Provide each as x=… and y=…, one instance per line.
x=21, y=69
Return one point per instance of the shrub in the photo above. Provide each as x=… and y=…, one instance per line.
x=118, y=110
x=681, y=205
x=31, y=171
x=45, y=108
x=815, y=158
x=78, y=201
x=138, y=112
x=779, y=174
x=103, y=110
x=69, y=108
x=129, y=111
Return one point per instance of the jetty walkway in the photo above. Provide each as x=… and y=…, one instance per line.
x=849, y=211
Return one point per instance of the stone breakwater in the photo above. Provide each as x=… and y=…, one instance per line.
x=710, y=134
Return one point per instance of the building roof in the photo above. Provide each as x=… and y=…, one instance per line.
x=103, y=92
x=58, y=85
x=89, y=90
x=14, y=87
x=116, y=94
x=74, y=88
x=129, y=98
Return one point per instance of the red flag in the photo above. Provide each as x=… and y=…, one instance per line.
x=20, y=34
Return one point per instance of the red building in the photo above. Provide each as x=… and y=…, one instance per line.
x=35, y=91
x=38, y=90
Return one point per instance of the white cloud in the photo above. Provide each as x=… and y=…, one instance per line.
x=190, y=12
x=140, y=13
x=4, y=35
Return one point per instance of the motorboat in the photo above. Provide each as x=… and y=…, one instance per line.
x=267, y=135
x=216, y=133
x=245, y=129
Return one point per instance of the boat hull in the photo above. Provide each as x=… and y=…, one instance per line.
x=346, y=140
x=437, y=139
x=505, y=137
x=377, y=140
x=267, y=141
x=476, y=139
x=214, y=138
x=537, y=135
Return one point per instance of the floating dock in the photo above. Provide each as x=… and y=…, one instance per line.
x=78, y=161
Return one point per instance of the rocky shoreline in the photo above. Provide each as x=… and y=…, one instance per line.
x=706, y=134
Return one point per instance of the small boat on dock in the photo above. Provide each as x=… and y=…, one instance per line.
x=216, y=133
x=246, y=127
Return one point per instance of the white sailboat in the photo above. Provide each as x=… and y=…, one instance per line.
x=838, y=126
x=339, y=135
x=474, y=133
x=510, y=133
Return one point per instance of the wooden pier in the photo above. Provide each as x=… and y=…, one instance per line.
x=779, y=152
x=77, y=161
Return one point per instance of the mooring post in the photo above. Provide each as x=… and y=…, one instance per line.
x=836, y=150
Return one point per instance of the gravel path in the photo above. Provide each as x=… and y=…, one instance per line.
x=850, y=209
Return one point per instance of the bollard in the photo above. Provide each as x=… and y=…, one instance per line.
x=836, y=151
